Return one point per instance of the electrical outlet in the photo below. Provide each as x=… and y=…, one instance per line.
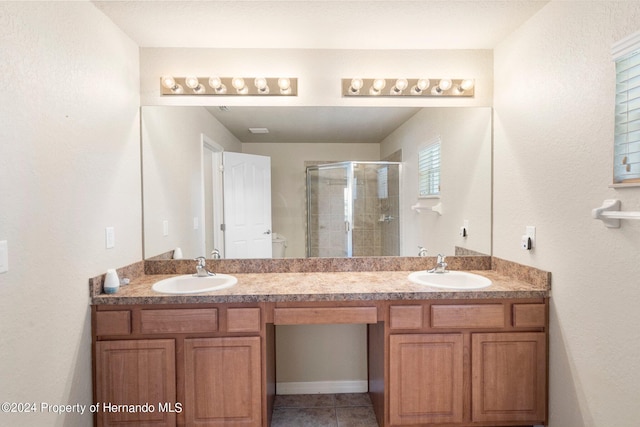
x=110, y=237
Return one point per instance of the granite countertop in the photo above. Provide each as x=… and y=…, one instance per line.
x=322, y=286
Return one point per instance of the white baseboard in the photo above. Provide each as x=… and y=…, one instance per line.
x=322, y=387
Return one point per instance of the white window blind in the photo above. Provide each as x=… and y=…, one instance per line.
x=429, y=169
x=626, y=162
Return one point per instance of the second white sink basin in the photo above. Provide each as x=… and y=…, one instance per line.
x=450, y=280
x=190, y=284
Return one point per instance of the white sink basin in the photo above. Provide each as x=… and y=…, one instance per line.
x=189, y=284
x=450, y=280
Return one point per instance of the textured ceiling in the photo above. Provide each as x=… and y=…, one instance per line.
x=313, y=124
x=315, y=24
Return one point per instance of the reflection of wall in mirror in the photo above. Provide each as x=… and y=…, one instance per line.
x=466, y=134
x=465, y=180
x=288, y=182
x=172, y=176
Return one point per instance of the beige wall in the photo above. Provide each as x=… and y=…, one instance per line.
x=69, y=167
x=553, y=148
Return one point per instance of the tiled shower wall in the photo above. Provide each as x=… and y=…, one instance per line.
x=375, y=221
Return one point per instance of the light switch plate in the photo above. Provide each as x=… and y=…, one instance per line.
x=110, y=237
x=4, y=256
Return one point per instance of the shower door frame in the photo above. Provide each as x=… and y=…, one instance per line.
x=348, y=223
x=349, y=166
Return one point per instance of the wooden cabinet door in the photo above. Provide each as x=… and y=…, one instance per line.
x=135, y=372
x=509, y=377
x=223, y=382
x=425, y=378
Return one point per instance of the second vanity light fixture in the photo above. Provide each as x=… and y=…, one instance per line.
x=258, y=86
x=407, y=87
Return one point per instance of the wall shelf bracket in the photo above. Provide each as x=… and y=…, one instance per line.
x=437, y=208
x=610, y=214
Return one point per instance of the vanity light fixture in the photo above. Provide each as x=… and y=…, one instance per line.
x=408, y=87
x=229, y=86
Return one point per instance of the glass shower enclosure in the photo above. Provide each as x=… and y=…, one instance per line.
x=353, y=209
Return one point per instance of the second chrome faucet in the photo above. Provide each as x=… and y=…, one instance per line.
x=441, y=265
x=201, y=268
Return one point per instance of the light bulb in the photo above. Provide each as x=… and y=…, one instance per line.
x=191, y=82
x=356, y=85
x=467, y=84
x=420, y=86
x=238, y=84
x=168, y=82
x=260, y=83
x=215, y=82
x=217, y=85
x=379, y=84
x=401, y=85
x=284, y=83
x=444, y=84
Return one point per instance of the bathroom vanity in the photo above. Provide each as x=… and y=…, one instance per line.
x=435, y=357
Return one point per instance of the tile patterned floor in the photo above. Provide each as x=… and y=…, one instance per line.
x=323, y=410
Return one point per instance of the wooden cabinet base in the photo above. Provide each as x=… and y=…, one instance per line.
x=453, y=363
x=222, y=382
x=135, y=383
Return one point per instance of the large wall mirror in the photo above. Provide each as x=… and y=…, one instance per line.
x=183, y=190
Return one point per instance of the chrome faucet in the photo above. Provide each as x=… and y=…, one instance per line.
x=441, y=265
x=422, y=251
x=215, y=254
x=201, y=268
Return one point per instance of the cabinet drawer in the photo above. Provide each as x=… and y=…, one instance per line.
x=179, y=320
x=310, y=316
x=113, y=322
x=243, y=320
x=405, y=317
x=468, y=316
x=529, y=315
